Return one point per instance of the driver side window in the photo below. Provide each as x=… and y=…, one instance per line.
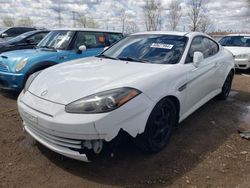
x=203, y=45
x=90, y=40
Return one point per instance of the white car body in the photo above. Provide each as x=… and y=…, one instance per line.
x=42, y=107
x=241, y=62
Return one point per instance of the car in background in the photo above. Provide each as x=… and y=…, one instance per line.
x=57, y=47
x=8, y=33
x=144, y=85
x=239, y=45
x=26, y=40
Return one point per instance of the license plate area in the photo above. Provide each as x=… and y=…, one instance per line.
x=29, y=117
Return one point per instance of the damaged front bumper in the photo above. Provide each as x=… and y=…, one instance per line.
x=77, y=135
x=54, y=147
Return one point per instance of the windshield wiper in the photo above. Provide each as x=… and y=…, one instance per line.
x=48, y=47
x=105, y=56
x=133, y=59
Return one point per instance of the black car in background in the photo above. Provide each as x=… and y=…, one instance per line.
x=26, y=40
x=8, y=33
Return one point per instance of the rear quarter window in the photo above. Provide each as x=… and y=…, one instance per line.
x=113, y=37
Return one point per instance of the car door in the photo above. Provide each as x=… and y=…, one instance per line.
x=94, y=42
x=201, y=79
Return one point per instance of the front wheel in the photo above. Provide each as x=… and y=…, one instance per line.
x=226, y=88
x=159, y=127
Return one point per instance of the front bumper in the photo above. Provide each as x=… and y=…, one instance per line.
x=242, y=63
x=54, y=147
x=11, y=81
x=64, y=133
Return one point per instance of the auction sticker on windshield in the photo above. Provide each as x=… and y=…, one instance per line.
x=161, y=45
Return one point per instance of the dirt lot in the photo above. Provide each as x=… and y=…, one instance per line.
x=206, y=151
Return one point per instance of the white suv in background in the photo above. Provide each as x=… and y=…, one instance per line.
x=239, y=45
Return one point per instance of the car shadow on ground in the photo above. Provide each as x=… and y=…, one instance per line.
x=9, y=94
x=200, y=134
x=243, y=72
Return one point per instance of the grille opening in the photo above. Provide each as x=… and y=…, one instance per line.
x=3, y=67
x=242, y=66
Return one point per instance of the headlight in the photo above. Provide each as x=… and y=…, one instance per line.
x=30, y=80
x=102, y=102
x=21, y=64
x=243, y=56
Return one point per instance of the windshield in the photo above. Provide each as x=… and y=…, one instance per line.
x=22, y=36
x=59, y=40
x=240, y=41
x=157, y=49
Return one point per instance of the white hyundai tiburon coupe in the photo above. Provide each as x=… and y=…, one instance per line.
x=143, y=85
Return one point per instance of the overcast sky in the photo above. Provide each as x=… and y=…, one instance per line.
x=225, y=14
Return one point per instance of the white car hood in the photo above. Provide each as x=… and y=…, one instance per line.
x=238, y=50
x=73, y=80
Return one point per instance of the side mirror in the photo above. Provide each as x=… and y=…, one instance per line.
x=104, y=49
x=81, y=49
x=198, y=57
x=4, y=35
x=30, y=40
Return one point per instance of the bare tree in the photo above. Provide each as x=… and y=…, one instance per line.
x=25, y=22
x=91, y=23
x=123, y=17
x=205, y=24
x=131, y=27
x=194, y=14
x=174, y=14
x=153, y=14
x=8, y=21
x=84, y=21
x=58, y=9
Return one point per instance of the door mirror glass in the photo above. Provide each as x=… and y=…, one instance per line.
x=197, y=58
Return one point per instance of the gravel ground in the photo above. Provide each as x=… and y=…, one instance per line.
x=205, y=151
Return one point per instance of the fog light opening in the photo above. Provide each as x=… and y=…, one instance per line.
x=96, y=145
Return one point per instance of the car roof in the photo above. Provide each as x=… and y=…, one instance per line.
x=177, y=33
x=36, y=31
x=246, y=35
x=161, y=33
x=84, y=29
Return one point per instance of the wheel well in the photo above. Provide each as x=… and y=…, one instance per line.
x=41, y=68
x=232, y=71
x=176, y=102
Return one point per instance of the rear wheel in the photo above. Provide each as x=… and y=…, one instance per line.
x=226, y=88
x=159, y=127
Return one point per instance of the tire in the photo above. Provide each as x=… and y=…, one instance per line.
x=158, y=128
x=226, y=88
